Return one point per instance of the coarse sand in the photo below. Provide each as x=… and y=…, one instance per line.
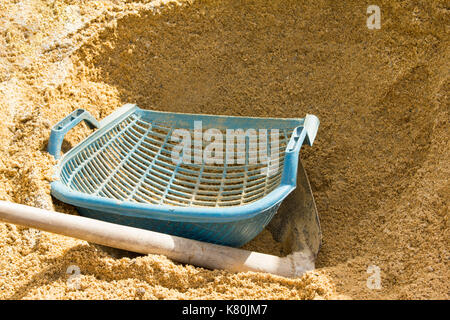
x=379, y=168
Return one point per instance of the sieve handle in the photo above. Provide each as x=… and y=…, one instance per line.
x=60, y=129
x=306, y=133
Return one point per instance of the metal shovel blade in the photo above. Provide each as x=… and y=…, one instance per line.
x=296, y=225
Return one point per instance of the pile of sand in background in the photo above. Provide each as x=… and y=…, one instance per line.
x=379, y=168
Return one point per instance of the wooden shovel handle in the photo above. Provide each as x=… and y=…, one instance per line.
x=183, y=250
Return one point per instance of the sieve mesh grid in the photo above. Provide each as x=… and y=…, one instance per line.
x=132, y=162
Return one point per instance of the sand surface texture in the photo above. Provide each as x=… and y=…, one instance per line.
x=379, y=168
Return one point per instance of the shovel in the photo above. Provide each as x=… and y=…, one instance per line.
x=296, y=226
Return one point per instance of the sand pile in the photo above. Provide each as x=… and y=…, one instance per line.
x=379, y=168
